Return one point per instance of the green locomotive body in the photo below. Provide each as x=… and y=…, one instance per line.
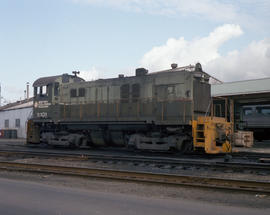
x=149, y=111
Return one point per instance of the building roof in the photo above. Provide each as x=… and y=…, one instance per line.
x=18, y=105
x=241, y=87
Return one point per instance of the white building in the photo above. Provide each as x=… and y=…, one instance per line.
x=15, y=116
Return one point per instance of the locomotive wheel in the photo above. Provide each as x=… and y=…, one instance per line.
x=76, y=142
x=187, y=147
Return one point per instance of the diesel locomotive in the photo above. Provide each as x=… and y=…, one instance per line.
x=158, y=111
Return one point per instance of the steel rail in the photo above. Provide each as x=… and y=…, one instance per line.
x=251, y=155
x=171, y=179
x=236, y=155
x=149, y=160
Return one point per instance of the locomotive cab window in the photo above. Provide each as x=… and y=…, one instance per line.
x=35, y=91
x=43, y=91
x=73, y=93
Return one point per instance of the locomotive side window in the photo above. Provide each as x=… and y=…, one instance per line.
x=171, y=90
x=73, y=93
x=135, y=92
x=247, y=111
x=124, y=92
x=81, y=92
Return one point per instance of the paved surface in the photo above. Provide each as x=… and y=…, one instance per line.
x=19, y=197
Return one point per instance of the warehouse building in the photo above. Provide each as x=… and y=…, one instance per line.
x=249, y=104
x=13, y=118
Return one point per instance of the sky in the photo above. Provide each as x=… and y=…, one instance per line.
x=104, y=38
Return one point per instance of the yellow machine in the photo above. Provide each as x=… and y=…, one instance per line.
x=212, y=134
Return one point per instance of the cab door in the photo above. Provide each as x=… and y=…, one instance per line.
x=55, y=108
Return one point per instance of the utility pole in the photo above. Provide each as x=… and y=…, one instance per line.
x=27, y=90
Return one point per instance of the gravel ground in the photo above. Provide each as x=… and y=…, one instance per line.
x=142, y=189
x=146, y=190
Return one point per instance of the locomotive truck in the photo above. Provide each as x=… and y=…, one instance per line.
x=159, y=111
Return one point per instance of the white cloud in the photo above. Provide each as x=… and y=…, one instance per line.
x=251, y=62
x=12, y=94
x=213, y=9
x=104, y=73
x=90, y=75
x=248, y=63
x=248, y=13
x=99, y=73
x=185, y=52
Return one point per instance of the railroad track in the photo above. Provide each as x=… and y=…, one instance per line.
x=171, y=179
x=251, y=155
x=248, y=156
x=160, y=162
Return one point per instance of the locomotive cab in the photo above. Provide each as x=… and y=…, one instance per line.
x=46, y=99
x=46, y=94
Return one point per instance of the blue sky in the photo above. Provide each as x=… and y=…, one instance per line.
x=103, y=38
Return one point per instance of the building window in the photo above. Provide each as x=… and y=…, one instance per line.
x=6, y=123
x=17, y=123
x=73, y=93
x=81, y=92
